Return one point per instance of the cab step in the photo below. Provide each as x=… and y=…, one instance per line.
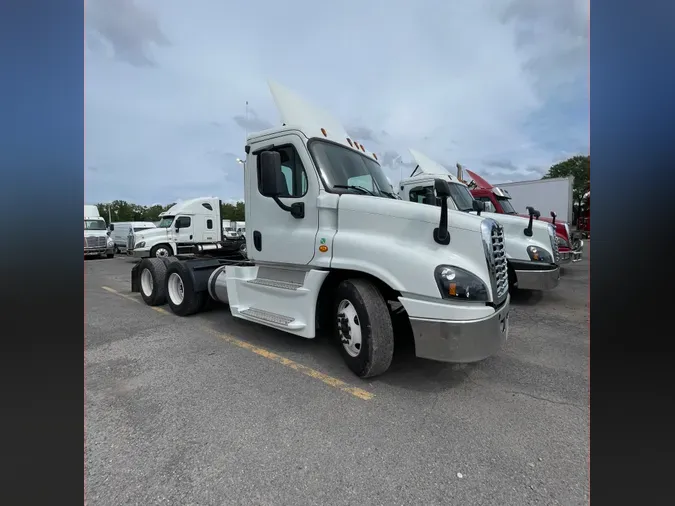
x=269, y=318
x=275, y=283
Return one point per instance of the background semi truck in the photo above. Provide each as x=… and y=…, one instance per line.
x=325, y=252
x=96, y=239
x=190, y=226
x=530, y=246
x=547, y=195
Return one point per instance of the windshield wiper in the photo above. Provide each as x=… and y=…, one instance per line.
x=389, y=194
x=354, y=187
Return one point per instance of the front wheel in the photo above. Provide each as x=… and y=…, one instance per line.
x=363, y=327
x=161, y=251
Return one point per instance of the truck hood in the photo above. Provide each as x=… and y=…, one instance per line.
x=412, y=211
x=95, y=233
x=151, y=233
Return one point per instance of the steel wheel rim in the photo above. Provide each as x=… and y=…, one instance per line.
x=162, y=253
x=147, y=282
x=349, y=328
x=176, y=289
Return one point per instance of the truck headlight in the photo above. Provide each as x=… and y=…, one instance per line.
x=537, y=254
x=111, y=243
x=456, y=283
x=140, y=245
x=562, y=242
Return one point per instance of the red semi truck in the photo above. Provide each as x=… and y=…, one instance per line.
x=570, y=243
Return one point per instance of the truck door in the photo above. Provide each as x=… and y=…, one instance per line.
x=209, y=232
x=183, y=227
x=272, y=234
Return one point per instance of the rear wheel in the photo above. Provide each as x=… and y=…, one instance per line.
x=161, y=251
x=153, y=276
x=180, y=293
x=363, y=327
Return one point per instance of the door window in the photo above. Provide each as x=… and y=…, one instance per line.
x=209, y=224
x=183, y=222
x=292, y=172
x=424, y=195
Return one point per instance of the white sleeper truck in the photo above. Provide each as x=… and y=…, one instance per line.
x=96, y=239
x=531, y=245
x=330, y=247
x=190, y=226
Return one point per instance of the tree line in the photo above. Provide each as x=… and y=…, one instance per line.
x=120, y=210
x=577, y=166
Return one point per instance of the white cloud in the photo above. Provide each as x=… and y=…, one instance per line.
x=498, y=85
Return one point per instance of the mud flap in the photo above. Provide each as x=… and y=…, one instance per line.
x=136, y=278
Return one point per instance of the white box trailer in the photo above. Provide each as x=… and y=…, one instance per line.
x=545, y=195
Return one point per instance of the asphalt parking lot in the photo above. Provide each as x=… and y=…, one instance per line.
x=209, y=410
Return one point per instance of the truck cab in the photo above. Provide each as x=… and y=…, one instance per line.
x=330, y=246
x=96, y=238
x=570, y=245
x=531, y=246
x=184, y=225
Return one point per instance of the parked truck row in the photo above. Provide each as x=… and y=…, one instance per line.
x=330, y=246
x=530, y=246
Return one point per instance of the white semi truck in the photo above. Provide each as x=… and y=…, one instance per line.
x=96, y=239
x=190, y=226
x=327, y=253
x=531, y=245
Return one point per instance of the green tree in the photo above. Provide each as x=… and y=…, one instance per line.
x=579, y=167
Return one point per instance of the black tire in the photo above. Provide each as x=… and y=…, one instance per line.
x=153, y=251
x=157, y=270
x=192, y=301
x=377, y=333
x=110, y=255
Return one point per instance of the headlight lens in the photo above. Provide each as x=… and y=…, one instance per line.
x=537, y=254
x=111, y=243
x=456, y=283
x=140, y=245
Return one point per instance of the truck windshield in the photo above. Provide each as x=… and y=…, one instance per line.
x=165, y=222
x=344, y=168
x=506, y=205
x=94, y=225
x=461, y=196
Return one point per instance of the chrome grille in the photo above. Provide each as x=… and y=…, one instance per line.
x=130, y=242
x=95, y=242
x=495, y=255
x=499, y=259
x=556, y=249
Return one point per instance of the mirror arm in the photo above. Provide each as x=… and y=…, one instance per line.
x=441, y=234
x=297, y=209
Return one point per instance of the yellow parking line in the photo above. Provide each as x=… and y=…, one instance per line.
x=307, y=371
x=134, y=299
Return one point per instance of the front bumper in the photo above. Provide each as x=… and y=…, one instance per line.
x=572, y=255
x=97, y=251
x=460, y=341
x=535, y=275
x=141, y=253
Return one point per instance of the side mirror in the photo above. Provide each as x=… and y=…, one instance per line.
x=490, y=207
x=442, y=188
x=270, y=168
x=441, y=234
x=478, y=206
x=553, y=215
x=111, y=227
x=533, y=213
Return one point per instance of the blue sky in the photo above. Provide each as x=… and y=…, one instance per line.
x=500, y=86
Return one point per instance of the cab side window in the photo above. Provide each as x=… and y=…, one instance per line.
x=292, y=173
x=183, y=222
x=424, y=195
